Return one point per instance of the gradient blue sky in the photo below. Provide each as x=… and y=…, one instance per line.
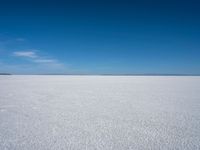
x=99, y=37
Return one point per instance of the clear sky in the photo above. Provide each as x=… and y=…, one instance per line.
x=100, y=36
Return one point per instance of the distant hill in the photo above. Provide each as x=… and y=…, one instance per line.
x=5, y=74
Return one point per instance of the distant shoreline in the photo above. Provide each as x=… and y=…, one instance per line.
x=107, y=74
x=5, y=74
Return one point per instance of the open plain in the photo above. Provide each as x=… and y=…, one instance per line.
x=99, y=112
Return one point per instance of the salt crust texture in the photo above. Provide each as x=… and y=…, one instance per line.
x=99, y=113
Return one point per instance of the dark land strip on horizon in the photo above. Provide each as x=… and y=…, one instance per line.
x=148, y=74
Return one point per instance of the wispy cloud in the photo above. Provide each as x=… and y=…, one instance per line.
x=45, y=60
x=40, y=63
x=27, y=61
x=33, y=56
x=28, y=54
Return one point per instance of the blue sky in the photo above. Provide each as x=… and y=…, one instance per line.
x=98, y=37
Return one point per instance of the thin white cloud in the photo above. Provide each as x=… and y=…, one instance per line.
x=45, y=60
x=28, y=54
x=34, y=57
x=34, y=68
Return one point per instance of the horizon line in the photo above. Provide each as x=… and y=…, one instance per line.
x=110, y=74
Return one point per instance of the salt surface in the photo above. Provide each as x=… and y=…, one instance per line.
x=99, y=113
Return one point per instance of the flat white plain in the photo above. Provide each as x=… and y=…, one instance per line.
x=99, y=113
